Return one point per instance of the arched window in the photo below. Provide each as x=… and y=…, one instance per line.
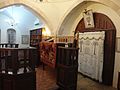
x=11, y=33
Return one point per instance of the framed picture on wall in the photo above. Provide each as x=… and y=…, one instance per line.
x=25, y=39
x=88, y=19
x=118, y=44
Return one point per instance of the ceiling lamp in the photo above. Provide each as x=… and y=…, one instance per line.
x=11, y=21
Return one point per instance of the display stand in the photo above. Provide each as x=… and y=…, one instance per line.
x=48, y=53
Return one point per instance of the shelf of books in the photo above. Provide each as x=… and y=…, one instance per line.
x=35, y=37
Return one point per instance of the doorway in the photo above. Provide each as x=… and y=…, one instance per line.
x=103, y=23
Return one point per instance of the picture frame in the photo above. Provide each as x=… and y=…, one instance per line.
x=88, y=18
x=118, y=44
x=25, y=39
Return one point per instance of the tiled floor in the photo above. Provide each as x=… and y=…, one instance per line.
x=46, y=80
x=85, y=83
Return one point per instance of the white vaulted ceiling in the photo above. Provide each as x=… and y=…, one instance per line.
x=19, y=16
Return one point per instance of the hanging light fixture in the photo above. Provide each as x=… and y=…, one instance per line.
x=13, y=22
x=41, y=0
x=38, y=0
x=10, y=19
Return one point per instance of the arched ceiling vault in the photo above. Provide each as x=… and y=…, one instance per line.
x=30, y=5
x=113, y=4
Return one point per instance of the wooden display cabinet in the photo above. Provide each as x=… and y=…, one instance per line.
x=35, y=37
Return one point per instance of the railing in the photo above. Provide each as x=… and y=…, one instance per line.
x=13, y=59
x=17, y=69
x=10, y=45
